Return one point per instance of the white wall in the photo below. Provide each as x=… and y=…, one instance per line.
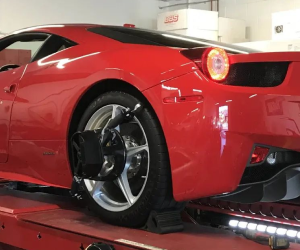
x=273, y=46
x=232, y=30
x=185, y=4
x=16, y=14
x=257, y=14
x=1, y=10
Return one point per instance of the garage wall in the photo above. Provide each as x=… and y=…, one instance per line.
x=257, y=14
x=169, y=5
x=1, y=8
x=16, y=14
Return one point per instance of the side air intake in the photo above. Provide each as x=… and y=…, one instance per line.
x=257, y=74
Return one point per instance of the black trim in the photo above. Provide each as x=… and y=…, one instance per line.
x=257, y=74
x=36, y=53
x=159, y=38
x=278, y=174
x=279, y=187
x=268, y=183
x=263, y=171
x=51, y=46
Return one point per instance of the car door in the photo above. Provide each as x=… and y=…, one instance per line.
x=16, y=51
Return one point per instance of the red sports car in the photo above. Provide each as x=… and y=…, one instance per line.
x=137, y=120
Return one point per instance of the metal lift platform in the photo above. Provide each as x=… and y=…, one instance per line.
x=37, y=221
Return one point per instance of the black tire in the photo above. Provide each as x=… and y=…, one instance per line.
x=157, y=194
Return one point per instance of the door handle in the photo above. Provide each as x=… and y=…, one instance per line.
x=10, y=89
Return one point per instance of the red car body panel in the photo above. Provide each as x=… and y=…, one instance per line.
x=206, y=158
x=40, y=122
x=6, y=101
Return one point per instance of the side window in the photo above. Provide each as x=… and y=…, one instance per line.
x=20, y=49
x=53, y=45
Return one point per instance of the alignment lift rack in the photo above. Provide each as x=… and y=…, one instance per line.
x=39, y=221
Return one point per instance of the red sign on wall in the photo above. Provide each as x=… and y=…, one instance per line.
x=172, y=19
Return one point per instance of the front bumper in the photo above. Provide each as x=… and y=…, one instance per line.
x=210, y=141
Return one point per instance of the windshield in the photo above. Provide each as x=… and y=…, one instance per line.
x=159, y=38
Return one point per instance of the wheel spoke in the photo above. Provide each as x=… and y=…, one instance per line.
x=120, y=194
x=125, y=188
x=115, y=111
x=96, y=191
x=97, y=125
x=136, y=150
x=123, y=179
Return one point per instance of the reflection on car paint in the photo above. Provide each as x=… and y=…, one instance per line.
x=62, y=62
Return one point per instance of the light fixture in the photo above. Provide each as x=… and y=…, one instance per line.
x=291, y=233
x=261, y=228
x=233, y=223
x=271, y=159
x=215, y=64
x=259, y=154
x=252, y=226
x=281, y=231
x=242, y=224
x=271, y=230
x=264, y=229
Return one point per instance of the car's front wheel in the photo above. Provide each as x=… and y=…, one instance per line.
x=145, y=183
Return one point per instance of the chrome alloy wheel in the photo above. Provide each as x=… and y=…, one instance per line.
x=121, y=194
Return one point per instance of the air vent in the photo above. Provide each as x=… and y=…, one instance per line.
x=259, y=74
